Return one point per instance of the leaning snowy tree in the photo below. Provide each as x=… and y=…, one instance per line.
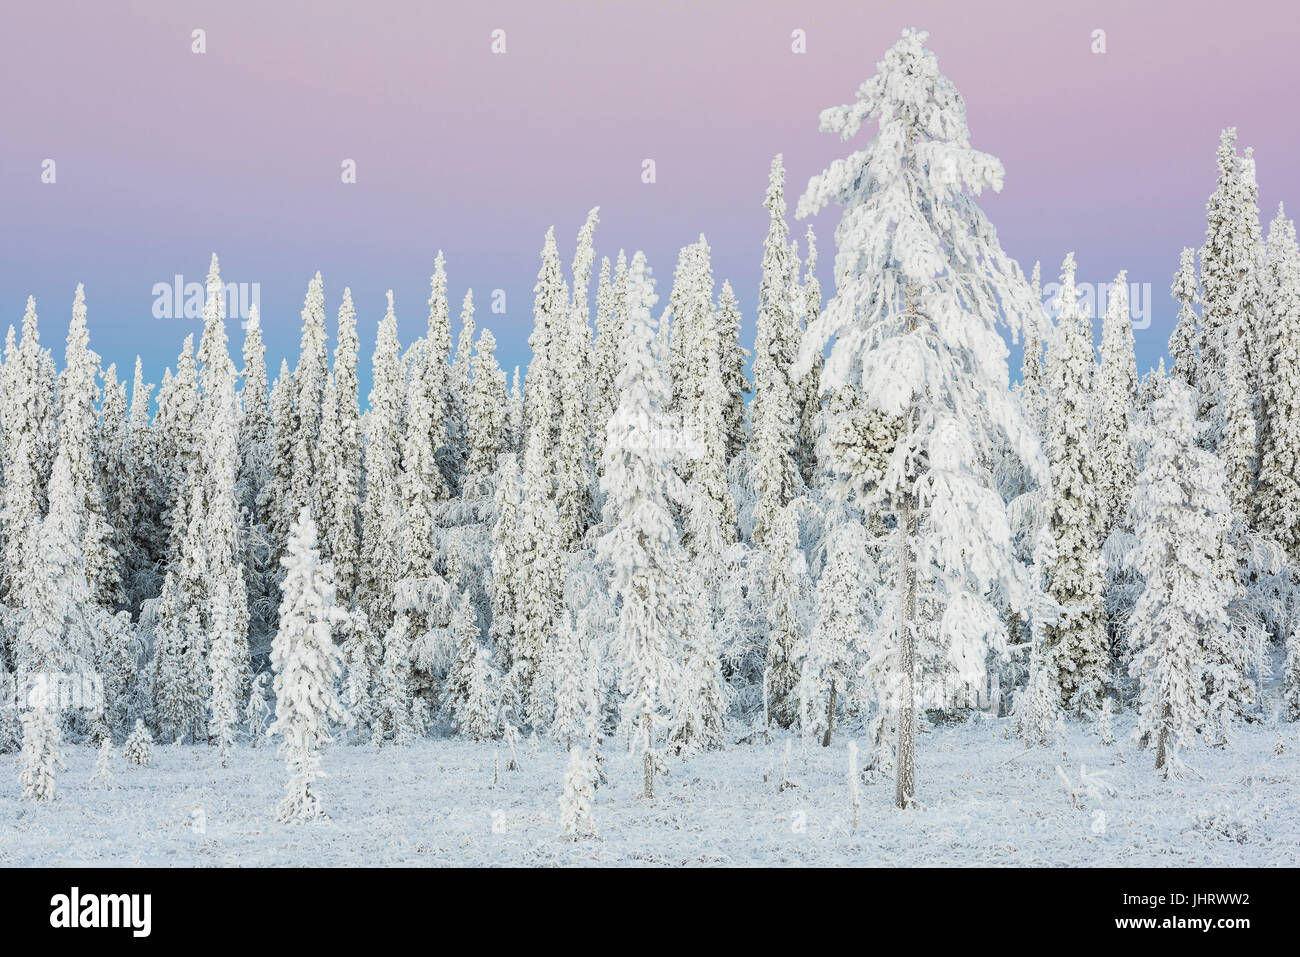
x=307, y=665
x=921, y=286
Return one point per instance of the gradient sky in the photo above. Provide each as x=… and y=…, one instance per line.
x=164, y=156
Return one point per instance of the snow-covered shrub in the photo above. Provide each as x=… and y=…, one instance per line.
x=138, y=749
x=1228, y=822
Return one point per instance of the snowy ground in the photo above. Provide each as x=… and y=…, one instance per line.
x=985, y=801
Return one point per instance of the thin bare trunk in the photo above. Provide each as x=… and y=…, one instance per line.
x=1163, y=739
x=648, y=768
x=830, y=719
x=905, y=789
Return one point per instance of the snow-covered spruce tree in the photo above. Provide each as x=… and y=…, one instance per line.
x=1252, y=321
x=691, y=302
x=550, y=306
x=276, y=498
x=775, y=408
x=179, y=677
x=505, y=585
x=921, y=284
x=422, y=593
x=102, y=774
x=142, y=495
x=807, y=390
x=1237, y=431
x=29, y=413
x=227, y=659
x=516, y=428
x=786, y=591
x=436, y=370
x=1181, y=515
x=488, y=411
x=1229, y=287
x=217, y=522
x=1228, y=655
x=256, y=710
x=117, y=660
x=458, y=396
x=363, y=654
x=381, y=521
x=1291, y=676
x=1278, y=495
x=1149, y=388
x=179, y=439
x=569, y=681
x=54, y=626
x=473, y=683
x=138, y=749
x=309, y=391
x=711, y=508
x=255, y=420
x=1077, y=640
x=843, y=617
x=702, y=696
x=328, y=460
x=1037, y=706
x=640, y=483
x=78, y=397
x=701, y=402
x=112, y=448
x=42, y=754
x=576, y=820
x=21, y=511
x=391, y=705
x=571, y=462
x=1113, y=400
x=54, y=641
x=428, y=409
x=307, y=666
x=1031, y=360
x=606, y=358
x=423, y=486
x=540, y=578
x=1182, y=343
x=734, y=356
x=345, y=476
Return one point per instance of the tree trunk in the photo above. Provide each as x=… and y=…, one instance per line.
x=648, y=768
x=830, y=719
x=905, y=789
x=1163, y=738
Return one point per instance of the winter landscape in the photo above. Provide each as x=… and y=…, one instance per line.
x=925, y=571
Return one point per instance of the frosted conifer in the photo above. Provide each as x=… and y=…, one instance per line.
x=307, y=666
x=915, y=321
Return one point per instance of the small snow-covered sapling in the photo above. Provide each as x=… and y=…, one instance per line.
x=139, y=746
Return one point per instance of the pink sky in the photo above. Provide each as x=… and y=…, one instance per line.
x=164, y=155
